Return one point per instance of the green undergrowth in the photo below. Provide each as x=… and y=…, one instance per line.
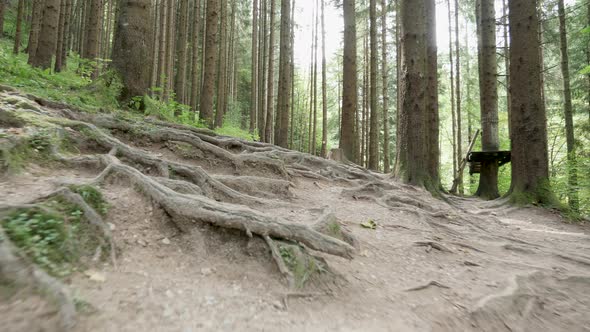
x=544, y=196
x=74, y=87
x=302, y=266
x=54, y=234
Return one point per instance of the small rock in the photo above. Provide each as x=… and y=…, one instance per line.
x=165, y=240
x=169, y=294
x=112, y=226
x=277, y=305
x=207, y=271
x=95, y=276
x=142, y=242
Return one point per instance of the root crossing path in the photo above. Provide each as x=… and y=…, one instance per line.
x=213, y=233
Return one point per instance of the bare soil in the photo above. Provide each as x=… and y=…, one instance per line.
x=457, y=264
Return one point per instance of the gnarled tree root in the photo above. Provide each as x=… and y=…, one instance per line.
x=191, y=208
x=15, y=269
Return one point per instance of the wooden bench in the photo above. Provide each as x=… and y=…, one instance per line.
x=476, y=158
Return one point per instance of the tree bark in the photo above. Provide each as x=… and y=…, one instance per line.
x=59, y=48
x=488, y=86
x=530, y=170
x=385, y=93
x=210, y=69
x=195, y=76
x=262, y=68
x=162, y=48
x=93, y=33
x=254, y=68
x=411, y=167
x=324, y=150
x=573, y=199
x=2, y=10
x=458, y=100
x=432, y=116
x=374, y=114
x=270, y=90
x=282, y=126
x=47, y=36
x=132, y=45
x=222, y=73
x=36, y=16
x=181, y=51
x=452, y=84
x=19, y=23
x=349, y=85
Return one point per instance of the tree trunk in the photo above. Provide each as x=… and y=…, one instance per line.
x=458, y=100
x=222, y=74
x=2, y=10
x=573, y=199
x=181, y=51
x=162, y=48
x=488, y=179
x=284, y=76
x=37, y=15
x=349, y=81
x=59, y=48
x=262, y=68
x=47, y=36
x=195, y=77
x=411, y=167
x=324, y=151
x=385, y=94
x=93, y=33
x=210, y=68
x=530, y=170
x=19, y=23
x=314, y=133
x=270, y=89
x=507, y=64
x=170, y=48
x=452, y=84
x=132, y=45
x=432, y=118
x=374, y=119
x=254, y=68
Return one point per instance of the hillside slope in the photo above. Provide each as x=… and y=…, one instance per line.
x=208, y=233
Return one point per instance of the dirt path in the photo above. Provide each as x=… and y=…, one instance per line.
x=429, y=265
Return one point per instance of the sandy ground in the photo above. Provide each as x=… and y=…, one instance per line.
x=452, y=264
x=505, y=270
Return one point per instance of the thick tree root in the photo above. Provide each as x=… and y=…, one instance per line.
x=191, y=208
x=15, y=270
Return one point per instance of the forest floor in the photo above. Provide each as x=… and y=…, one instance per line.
x=419, y=263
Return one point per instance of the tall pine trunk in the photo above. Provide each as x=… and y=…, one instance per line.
x=210, y=68
x=270, y=80
x=458, y=100
x=282, y=125
x=181, y=51
x=488, y=179
x=573, y=199
x=411, y=167
x=19, y=22
x=254, y=69
x=132, y=45
x=385, y=94
x=47, y=35
x=432, y=118
x=222, y=68
x=374, y=113
x=195, y=77
x=349, y=81
x=530, y=165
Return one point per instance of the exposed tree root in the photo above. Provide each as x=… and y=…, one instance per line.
x=190, y=208
x=432, y=283
x=14, y=269
x=91, y=217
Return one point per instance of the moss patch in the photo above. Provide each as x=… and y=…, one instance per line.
x=53, y=234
